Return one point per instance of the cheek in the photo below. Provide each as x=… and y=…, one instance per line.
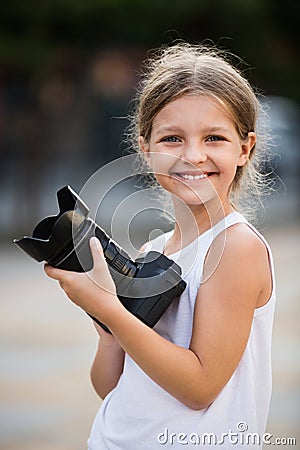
x=163, y=180
x=161, y=163
x=228, y=163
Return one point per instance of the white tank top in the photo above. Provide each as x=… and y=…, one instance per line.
x=138, y=414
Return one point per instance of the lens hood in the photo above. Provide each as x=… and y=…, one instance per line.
x=55, y=237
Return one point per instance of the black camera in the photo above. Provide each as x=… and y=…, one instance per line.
x=146, y=286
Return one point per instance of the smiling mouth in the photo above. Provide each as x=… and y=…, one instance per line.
x=192, y=177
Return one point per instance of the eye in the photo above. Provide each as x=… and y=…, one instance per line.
x=170, y=139
x=215, y=138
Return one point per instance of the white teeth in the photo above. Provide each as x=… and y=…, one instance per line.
x=193, y=177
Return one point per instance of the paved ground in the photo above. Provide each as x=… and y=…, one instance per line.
x=47, y=344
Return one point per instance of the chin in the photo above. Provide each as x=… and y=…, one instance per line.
x=196, y=198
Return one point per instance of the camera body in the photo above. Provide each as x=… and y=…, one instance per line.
x=145, y=286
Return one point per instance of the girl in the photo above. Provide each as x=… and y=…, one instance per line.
x=202, y=376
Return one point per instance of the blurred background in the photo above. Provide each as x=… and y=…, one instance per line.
x=68, y=71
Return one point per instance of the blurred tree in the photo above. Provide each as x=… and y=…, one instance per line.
x=264, y=32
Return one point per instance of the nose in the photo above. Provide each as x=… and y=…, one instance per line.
x=194, y=153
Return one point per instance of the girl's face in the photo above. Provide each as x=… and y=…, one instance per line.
x=195, y=149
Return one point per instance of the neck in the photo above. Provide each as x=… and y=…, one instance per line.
x=193, y=220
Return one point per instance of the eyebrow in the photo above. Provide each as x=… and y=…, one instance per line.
x=168, y=128
x=174, y=128
x=216, y=129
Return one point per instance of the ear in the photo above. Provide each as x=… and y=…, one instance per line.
x=246, y=147
x=144, y=146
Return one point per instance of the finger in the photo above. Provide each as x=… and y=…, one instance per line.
x=100, y=273
x=97, y=251
x=53, y=272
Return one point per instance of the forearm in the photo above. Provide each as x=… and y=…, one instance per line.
x=176, y=369
x=107, y=367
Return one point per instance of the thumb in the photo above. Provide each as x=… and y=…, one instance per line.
x=96, y=250
x=100, y=273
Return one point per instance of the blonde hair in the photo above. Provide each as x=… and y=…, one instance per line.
x=185, y=69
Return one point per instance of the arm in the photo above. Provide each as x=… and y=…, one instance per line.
x=108, y=363
x=222, y=321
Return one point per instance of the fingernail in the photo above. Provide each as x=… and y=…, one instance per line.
x=95, y=241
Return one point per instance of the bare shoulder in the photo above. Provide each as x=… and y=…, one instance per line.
x=241, y=239
x=240, y=255
x=238, y=240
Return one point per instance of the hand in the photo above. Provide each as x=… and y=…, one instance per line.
x=93, y=291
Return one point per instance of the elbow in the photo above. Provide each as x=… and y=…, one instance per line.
x=199, y=401
x=101, y=390
x=102, y=393
x=97, y=388
x=198, y=404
